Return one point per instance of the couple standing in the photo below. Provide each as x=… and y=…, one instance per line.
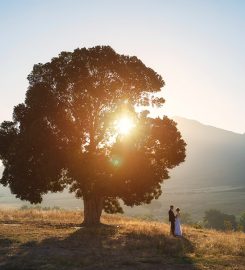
x=175, y=221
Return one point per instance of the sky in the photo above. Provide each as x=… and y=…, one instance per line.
x=197, y=46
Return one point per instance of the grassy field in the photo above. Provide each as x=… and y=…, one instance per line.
x=54, y=239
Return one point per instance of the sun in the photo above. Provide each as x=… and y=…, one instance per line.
x=124, y=125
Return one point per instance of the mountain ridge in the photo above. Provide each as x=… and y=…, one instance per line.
x=181, y=118
x=215, y=152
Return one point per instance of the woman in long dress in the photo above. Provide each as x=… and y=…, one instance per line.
x=178, y=230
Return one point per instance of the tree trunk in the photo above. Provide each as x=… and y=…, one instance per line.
x=92, y=210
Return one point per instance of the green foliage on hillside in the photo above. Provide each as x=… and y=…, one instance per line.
x=217, y=220
x=242, y=222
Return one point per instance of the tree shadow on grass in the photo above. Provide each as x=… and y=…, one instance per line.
x=103, y=247
x=5, y=245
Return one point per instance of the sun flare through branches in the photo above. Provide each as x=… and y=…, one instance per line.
x=124, y=125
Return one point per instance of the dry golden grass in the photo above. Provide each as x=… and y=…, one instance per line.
x=54, y=239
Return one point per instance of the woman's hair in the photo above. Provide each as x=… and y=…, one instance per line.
x=177, y=210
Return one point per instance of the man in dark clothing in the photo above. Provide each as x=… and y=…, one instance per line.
x=171, y=218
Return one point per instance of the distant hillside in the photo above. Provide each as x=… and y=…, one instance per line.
x=215, y=157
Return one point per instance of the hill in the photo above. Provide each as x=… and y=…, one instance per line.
x=215, y=157
x=37, y=239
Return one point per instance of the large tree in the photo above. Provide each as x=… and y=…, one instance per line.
x=67, y=133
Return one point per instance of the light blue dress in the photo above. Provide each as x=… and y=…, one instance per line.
x=178, y=230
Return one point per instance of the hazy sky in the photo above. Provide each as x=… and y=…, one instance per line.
x=197, y=46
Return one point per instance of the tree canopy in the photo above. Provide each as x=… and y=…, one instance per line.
x=64, y=134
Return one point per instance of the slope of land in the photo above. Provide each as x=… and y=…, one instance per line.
x=215, y=157
x=37, y=239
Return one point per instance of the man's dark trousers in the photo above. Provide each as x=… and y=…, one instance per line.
x=172, y=227
x=172, y=220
